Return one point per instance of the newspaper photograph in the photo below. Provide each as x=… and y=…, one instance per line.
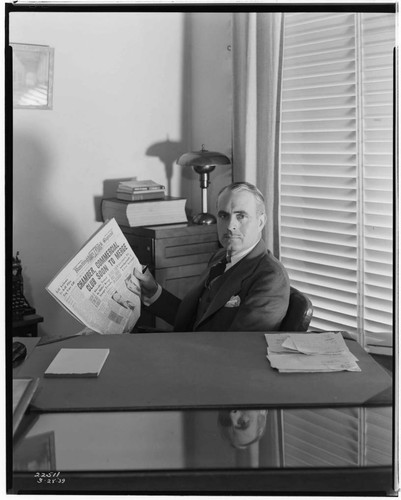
x=98, y=286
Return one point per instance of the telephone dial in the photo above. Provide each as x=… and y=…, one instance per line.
x=20, y=305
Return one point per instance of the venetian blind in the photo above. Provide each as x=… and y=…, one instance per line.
x=336, y=167
x=376, y=88
x=343, y=437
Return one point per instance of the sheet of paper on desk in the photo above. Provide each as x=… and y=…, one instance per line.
x=77, y=363
x=310, y=352
x=316, y=343
x=288, y=363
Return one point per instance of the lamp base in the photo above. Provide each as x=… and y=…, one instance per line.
x=205, y=219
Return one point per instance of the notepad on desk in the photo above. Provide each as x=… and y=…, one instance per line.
x=310, y=352
x=77, y=363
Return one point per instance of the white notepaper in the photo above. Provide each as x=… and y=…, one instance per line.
x=275, y=341
x=317, y=343
x=288, y=363
x=77, y=363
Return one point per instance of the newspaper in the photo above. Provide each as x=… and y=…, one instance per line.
x=98, y=286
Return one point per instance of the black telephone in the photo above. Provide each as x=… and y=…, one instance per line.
x=20, y=305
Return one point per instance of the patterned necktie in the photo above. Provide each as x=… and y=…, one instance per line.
x=216, y=271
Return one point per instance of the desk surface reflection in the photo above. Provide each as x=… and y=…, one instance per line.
x=206, y=439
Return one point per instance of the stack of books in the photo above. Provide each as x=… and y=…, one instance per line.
x=167, y=210
x=134, y=190
x=143, y=203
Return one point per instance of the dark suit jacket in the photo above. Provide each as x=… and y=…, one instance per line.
x=260, y=282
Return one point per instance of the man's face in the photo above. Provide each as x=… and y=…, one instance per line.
x=239, y=225
x=245, y=426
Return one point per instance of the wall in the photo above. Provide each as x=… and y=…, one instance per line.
x=132, y=91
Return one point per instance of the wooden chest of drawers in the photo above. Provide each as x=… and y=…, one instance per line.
x=175, y=253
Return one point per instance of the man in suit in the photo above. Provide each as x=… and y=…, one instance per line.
x=244, y=288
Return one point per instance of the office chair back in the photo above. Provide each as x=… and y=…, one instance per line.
x=299, y=313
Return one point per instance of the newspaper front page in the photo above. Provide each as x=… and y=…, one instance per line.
x=98, y=286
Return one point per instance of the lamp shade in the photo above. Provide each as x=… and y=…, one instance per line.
x=203, y=158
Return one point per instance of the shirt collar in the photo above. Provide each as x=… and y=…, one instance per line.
x=239, y=256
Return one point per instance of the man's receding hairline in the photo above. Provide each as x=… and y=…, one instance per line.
x=247, y=187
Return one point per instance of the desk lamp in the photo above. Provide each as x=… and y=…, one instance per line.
x=203, y=162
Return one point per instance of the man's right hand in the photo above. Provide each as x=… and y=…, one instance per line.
x=147, y=283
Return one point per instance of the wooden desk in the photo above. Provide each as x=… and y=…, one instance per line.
x=198, y=370
x=148, y=423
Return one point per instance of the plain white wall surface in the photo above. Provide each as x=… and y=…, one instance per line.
x=132, y=91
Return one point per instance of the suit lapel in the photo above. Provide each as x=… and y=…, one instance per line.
x=230, y=282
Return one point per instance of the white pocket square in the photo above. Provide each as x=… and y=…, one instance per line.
x=235, y=301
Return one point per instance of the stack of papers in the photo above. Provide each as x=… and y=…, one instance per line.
x=310, y=352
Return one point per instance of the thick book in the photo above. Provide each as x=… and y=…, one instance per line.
x=23, y=391
x=152, y=194
x=169, y=210
x=77, y=363
x=138, y=186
